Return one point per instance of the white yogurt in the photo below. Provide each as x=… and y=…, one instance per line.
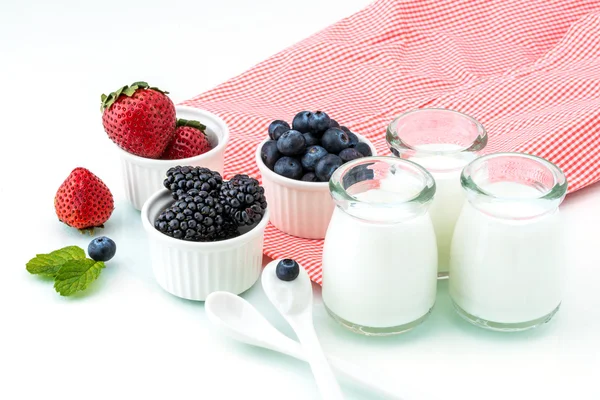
x=449, y=195
x=380, y=275
x=507, y=270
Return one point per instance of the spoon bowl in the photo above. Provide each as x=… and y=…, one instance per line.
x=240, y=320
x=289, y=297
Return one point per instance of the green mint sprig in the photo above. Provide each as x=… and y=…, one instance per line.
x=72, y=271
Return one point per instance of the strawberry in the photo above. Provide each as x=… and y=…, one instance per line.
x=139, y=119
x=189, y=141
x=83, y=201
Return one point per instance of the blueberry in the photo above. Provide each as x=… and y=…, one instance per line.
x=327, y=166
x=350, y=154
x=288, y=167
x=312, y=139
x=102, y=248
x=277, y=127
x=308, y=177
x=364, y=149
x=301, y=121
x=311, y=157
x=353, y=139
x=269, y=153
x=318, y=122
x=291, y=143
x=345, y=128
x=335, y=140
x=287, y=270
x=333, y=123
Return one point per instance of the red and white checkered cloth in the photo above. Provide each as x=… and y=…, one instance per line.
x=528, y=70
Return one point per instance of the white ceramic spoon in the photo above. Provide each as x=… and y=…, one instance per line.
x=240, y=320
x=294, y=300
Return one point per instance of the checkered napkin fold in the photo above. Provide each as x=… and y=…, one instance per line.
x=528, y=71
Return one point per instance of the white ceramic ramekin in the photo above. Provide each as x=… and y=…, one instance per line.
x=298, y=208
x=193, y=270
x=144, y=176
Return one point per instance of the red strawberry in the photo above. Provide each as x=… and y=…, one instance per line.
x=83, y=201
x=189, y=141
x=140, y=119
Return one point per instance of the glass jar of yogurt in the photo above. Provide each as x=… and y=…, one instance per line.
x=506, y=267
x=443, y=142
x=380, y=254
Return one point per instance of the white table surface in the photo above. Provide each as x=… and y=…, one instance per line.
x=128, y=339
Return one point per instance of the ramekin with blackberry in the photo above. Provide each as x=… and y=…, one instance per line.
x=206, y=234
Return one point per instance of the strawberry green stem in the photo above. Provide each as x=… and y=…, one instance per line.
x=107, y=101
x=191, y=123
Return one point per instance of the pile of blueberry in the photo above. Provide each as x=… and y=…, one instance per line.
x=312, y=149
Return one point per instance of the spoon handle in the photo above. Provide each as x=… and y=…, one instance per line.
x=326, y=381
x=364, y=378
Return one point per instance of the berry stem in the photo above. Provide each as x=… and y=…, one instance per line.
x=191, y=123
x=107, y=101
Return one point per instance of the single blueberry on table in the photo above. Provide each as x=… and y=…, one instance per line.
x=102, y=248
x=327, y=166
x=312, y=156
x=318, y=122
x=269, y=153
x=335, y=140
x=301, y=121
x=291, y=143
x=350, y=154
x=287, y=270
x=310, y=177
x=277, y=127
x=288, y=167
x=312, y=139
x=364, y=149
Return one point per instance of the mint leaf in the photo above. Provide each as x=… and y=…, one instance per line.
x=76, y=275
x=49, y=264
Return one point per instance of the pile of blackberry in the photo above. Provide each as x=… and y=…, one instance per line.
x=208, y=209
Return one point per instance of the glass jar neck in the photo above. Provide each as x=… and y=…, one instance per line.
x=440, y=140
x=384, y=190
x=514, y=186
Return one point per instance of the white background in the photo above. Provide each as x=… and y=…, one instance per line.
x=126, y=338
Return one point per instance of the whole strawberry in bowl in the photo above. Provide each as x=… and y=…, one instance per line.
x=189, y=140
x=153, y=135
x=140, y=119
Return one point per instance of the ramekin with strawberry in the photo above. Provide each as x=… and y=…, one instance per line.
x=143, y=122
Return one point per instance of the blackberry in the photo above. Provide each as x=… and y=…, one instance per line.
x=181, y=179
x=197, y=217
x=243, y=199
